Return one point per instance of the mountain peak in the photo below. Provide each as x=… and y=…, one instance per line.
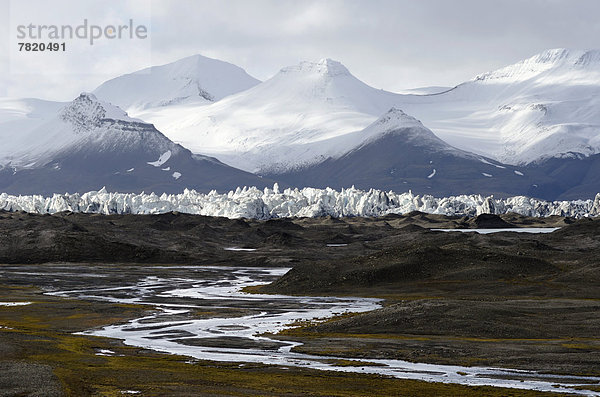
x=196, y=78
x=192, y=67
x=551, y=56
x=548, y=60
x=566, y=56
x=304, y=109
x=397, y=123
x=325, y=67
x=86, y=96
x=86, y=112
x=193, y=59
x=396, y=118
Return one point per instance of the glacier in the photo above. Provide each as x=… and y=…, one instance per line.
x=251, y=202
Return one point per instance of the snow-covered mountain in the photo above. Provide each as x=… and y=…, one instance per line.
x=401, y=154
x=194, y=80
x=90, y=143
x=530, y=128
x=284, y=122
x=542, y=107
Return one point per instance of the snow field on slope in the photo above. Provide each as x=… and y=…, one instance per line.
x=298, y=117
x=541, y=107
x=194, y=79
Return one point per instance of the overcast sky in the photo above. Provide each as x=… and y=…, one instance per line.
x=391, y=44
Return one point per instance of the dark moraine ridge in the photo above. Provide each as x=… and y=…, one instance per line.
x=185, y=238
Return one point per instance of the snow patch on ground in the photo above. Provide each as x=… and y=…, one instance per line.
x=509, y=229
x=176, y=175
x=105, y=352
x=432, y=174
x=486, y=175
x=487, y=162
x=161, y=160
x=518, y=173
x=14, y=303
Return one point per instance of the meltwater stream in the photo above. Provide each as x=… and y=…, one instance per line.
x=234, y=324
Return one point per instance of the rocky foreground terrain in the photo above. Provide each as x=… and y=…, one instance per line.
x=184, y=238
x=508, y=299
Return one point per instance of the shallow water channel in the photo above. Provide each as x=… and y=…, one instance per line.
x=202, y=313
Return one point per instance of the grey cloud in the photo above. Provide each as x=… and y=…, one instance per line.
x=392, y=44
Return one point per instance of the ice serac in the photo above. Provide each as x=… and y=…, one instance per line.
x=541, y=108
x=90, y=142
x=272, y=203
x=397, y=152
x=289, y=120
x=595, y=211
x=192, y=80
